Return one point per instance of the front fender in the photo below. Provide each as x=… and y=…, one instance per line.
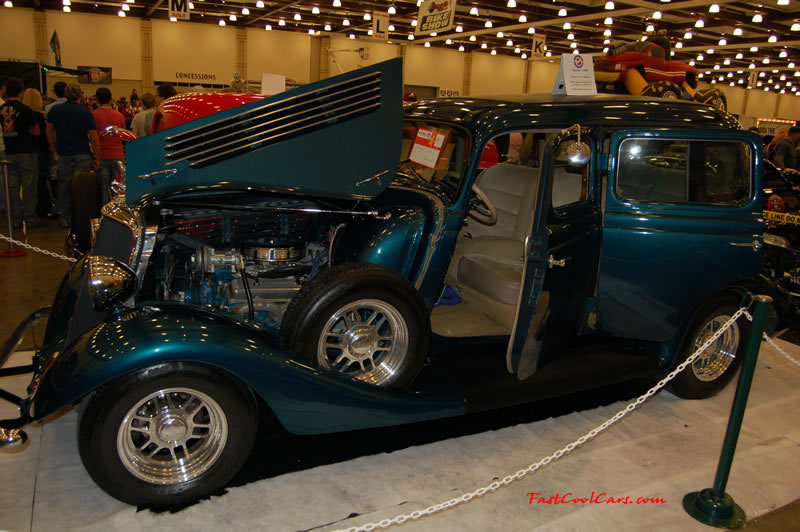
x=305, y=399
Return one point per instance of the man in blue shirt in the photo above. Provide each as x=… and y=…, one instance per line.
x=59, y=89
x=70, y=130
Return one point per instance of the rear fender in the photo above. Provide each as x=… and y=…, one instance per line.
x=305, y=399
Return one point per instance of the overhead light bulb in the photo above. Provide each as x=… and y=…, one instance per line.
x=488, y=24
x=509, y=43
x=691, y=63
x=796, y=26
x=8, y=3
x=268, y=27
x=567, y=26
x=68, y=9
x=337, y=3
x=427, y=44
x=484, y=46
x=315, y=10
x=345, y=22
x=562, y=12
x=448, y=42
x=66, y=3
x=738, y=31
x=352, y=36
x=461, y=48
x=246, y=11
x=773, y=38
x=713, y=8
x=608, y=21
x=607, y=33
x=716, y=67
x=367, y=16
x=531, y=30
x=687, y=35
x=710, y=51
x=474, y=11
x=606, y=41
x=573, y=45
x=657, y=15
x=740, y=55
x=609, y=5
x=499, y=34
x=723, y=41
x=699, y=23
x=191, y=6
x=414, y=22
x=700, y=57
x=393, y=11
x=765, y=60
x=494, y=52
x=410, y=36
x=126, y=7
x=232, y=18
x=726, y=62
x=459, y=28
x=297, y=16
x=524, y=55
x=221, y=22
x=260, y=4
x=517, y=50
x=790, y=65
x=282, y=22
x=754, y=48
x=757, y=18
x=605, y=50
x=548, y=54
x=511, y=3
x=523, y=18
x=311, y=31
x=784, y=54
x=473, y=38
x=391, y=27
x=327, y=27
x=650, y=28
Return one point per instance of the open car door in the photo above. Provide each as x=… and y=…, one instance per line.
x=338, y=138
x=560, y=250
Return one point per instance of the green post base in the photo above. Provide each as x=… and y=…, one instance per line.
x=711, y=510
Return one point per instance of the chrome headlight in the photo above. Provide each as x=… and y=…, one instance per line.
x=110, y=282
x=775, y=240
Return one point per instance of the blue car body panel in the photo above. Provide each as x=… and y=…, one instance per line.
x=305, y=399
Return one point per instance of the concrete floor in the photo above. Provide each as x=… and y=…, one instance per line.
x=666, y=448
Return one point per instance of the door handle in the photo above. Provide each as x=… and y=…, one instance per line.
x=755, y=244
x=557, y=262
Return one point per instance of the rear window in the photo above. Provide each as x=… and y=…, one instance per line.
x=684, y=171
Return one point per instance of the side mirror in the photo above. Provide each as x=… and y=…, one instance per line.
x=578, y=153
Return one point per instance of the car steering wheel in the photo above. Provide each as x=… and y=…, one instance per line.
x=481, y=207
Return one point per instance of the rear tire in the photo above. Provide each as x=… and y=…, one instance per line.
x=715, y=368
x=85, y=206
x=713, y=97
x=663, y=89
x=166, y=435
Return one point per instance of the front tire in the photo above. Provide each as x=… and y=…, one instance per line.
x=718, y=364
x=663, y=89
x=361, y=320
x=167, y=435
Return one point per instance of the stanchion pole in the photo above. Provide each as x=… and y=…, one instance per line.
x=11, y=251
x=712, y=506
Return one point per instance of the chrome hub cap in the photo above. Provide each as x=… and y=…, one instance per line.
x=366, y=339
x=172, y=436
x=718, y=357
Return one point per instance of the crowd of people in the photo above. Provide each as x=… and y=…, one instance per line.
x=47, y=141
x=784, y=150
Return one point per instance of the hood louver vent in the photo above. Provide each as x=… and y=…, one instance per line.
x=275, y=121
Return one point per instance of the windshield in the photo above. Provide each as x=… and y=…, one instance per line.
x=435, y=153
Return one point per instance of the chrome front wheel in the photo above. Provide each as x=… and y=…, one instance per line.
x=172, y=436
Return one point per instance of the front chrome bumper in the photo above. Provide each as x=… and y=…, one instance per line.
x=11, y=435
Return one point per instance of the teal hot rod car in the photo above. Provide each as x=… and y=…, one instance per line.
x=288, y=255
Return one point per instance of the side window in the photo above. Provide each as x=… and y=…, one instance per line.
x=683, y=171
x=570, y=183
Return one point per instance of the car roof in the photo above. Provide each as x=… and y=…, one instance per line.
x=487, y=115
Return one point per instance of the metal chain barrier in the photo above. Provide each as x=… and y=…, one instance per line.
x=38, y=250
x=494, y=486
x=775, y=346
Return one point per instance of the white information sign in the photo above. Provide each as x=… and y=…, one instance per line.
x=380, y=25
x=575, y=76
x=272, y=84
x=179, y=9
x=427, y=147
x=435, y=16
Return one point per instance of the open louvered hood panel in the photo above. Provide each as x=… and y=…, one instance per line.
x=325, y=139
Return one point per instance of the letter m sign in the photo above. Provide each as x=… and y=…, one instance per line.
x=179, y=9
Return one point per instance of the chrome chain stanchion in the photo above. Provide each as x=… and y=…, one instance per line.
x=712, y=506
x=494, y=486
x=11, y=251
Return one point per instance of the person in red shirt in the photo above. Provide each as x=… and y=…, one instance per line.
x=111, y=152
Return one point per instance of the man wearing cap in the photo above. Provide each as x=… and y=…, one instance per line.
x=70, y=130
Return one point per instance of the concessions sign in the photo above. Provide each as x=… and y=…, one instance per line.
x=435, y=16
x=428, y=147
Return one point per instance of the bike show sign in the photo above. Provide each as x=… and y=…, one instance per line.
x=179, y=9
x=435, y=16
